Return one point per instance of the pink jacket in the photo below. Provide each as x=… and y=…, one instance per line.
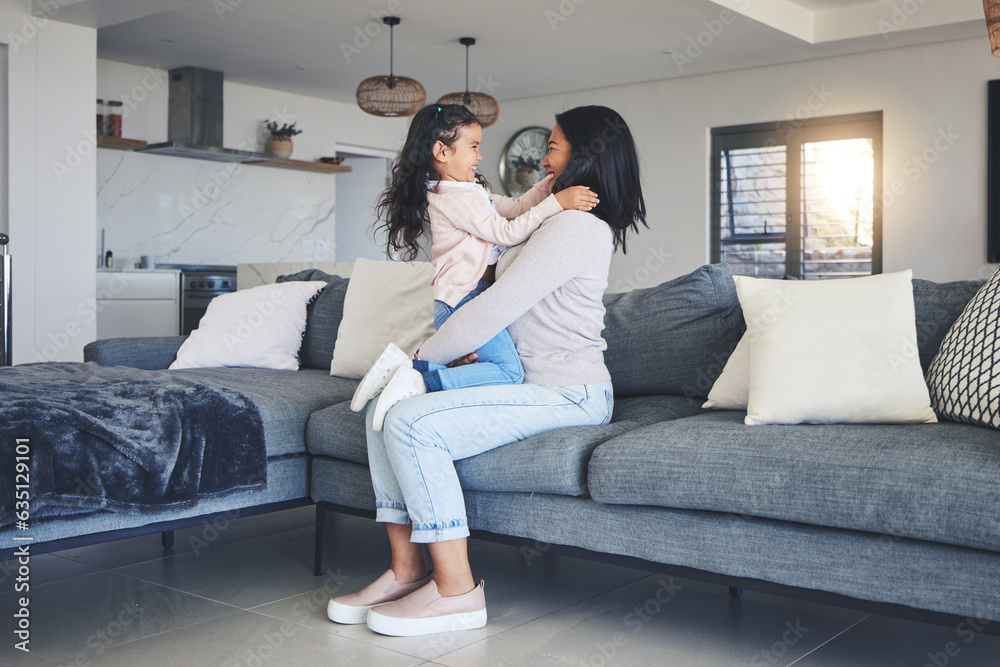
x=465, y=227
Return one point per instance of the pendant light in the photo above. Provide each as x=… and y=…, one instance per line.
x=390, y=96
x=483, y=106
x=992, y=8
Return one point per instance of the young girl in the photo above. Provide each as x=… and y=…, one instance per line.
x=435, y=186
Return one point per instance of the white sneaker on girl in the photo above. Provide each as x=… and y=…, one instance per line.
x=376, y=377
x=404, y=383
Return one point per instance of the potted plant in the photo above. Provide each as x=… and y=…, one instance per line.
x=279, y=144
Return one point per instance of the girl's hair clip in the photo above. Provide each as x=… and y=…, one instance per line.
x=439, y=110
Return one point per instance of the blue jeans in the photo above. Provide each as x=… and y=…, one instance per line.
x=498, y=361
x=412, y=458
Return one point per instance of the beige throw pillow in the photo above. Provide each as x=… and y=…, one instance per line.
x=731, y=390
x=386, y=302
x=833, y=351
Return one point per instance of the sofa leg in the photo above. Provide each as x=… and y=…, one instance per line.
x=320, y=533
x=735, y=592
x=167, y=539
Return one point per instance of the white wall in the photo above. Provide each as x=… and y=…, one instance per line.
x=65, y=218
x=51, y=210
x=359, y=192
x=4, y=139
x=937, y=226
x=195, y=212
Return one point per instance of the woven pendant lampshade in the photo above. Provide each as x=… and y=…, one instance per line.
x=484, y=107
x=992, y=8
x=390, y=96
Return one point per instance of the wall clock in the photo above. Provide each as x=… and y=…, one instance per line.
x=521, y=160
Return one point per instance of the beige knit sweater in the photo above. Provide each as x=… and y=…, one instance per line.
x=549, y=296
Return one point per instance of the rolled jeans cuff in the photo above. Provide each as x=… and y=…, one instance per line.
x=438, y=534
x=432, y=381
x=391, y=513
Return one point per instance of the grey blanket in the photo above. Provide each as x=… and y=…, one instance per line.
x=103, y=438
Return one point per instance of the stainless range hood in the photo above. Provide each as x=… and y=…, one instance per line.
x=194, y=119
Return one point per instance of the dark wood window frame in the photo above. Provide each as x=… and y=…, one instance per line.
x=792, y=134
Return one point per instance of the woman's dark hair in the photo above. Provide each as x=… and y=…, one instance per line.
x=402, y=208
x=604, y=158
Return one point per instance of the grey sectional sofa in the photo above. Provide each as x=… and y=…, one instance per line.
x=905, y=516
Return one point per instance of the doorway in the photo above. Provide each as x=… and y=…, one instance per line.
x=357, y=193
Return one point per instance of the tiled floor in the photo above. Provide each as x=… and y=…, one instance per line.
x=245, y=595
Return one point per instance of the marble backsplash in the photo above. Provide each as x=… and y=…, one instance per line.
x=185, y=211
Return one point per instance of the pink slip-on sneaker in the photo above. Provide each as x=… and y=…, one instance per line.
x=352, y=609
x=426, y=611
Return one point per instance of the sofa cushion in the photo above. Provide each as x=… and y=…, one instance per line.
x=323, y=317
x=935, y=482
x=937, y=306
x=550, y=462
x=673, y=338
x=338, y=432
x=285, y=399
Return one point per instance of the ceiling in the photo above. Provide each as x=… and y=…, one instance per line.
x=324, y=48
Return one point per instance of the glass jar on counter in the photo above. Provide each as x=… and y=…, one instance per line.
x=114, y=119
x=102, y=128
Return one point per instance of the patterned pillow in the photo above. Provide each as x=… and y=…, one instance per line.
x=963, y=378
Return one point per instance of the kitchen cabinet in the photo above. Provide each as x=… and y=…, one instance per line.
x=143, y=302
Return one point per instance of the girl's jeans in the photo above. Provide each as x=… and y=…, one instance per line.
x=412, y=458
x=498, y=361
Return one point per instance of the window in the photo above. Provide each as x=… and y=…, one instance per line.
x=797, y=198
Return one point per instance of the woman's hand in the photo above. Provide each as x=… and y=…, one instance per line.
x=470, y=358
x=577, y=198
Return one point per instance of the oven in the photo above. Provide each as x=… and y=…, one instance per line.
x=199, y=285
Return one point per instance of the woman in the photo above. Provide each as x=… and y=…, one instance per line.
x=548, y=294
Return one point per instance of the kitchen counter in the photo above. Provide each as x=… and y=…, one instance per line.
x=123, y=270
x=198, y=267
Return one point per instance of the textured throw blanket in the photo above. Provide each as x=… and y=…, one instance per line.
x=103, y=438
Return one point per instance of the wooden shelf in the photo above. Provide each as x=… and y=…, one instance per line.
x=285, y=163
x=119, y=143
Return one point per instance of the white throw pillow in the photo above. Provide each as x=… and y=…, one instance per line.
x=963, y=376
x=260, y=327
x=731, y=390
x=833, y=351
x=386, y=302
